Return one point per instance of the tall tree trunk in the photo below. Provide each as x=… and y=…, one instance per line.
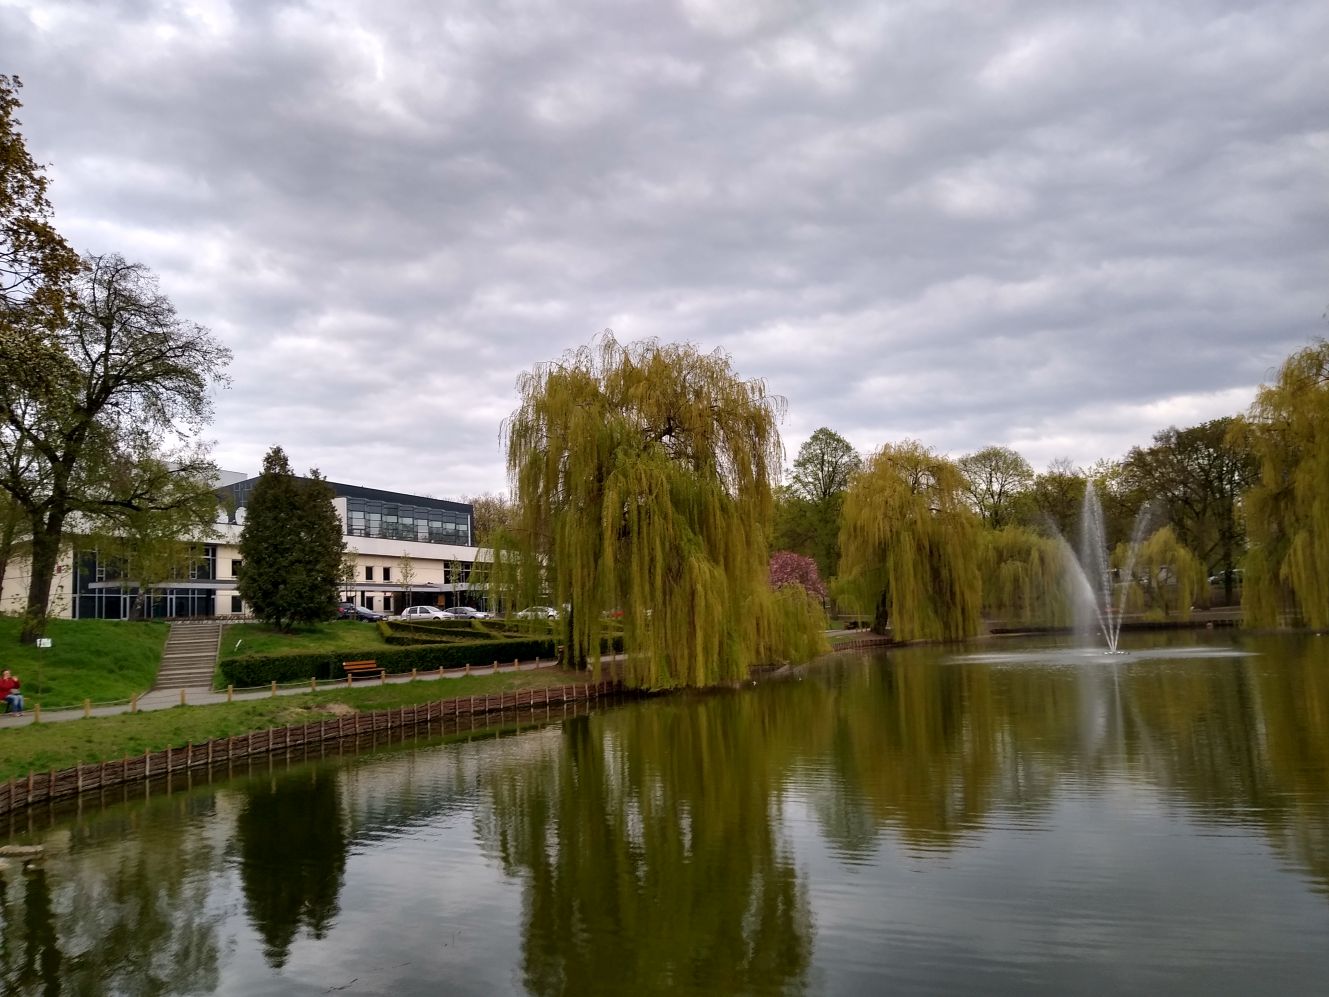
x=46, y=534
x=881, y=618
x=7, y=532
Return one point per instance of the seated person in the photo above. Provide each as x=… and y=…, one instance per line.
x=9, y=685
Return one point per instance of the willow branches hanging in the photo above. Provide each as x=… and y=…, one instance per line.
x=1287, y=510
x=642, y=475
x=910, y=545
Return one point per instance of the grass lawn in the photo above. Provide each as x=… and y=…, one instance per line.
x=39, y=747
x=106, y=661
x=345, y=636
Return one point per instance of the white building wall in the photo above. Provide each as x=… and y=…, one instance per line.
x=430, y=565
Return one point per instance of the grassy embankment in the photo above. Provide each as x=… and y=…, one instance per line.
x=106, y=661
x=60, y=745
x=349, y=637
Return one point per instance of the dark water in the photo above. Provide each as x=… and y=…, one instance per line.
x=887, y=823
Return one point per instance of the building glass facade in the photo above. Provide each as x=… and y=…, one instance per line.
x=101, y=591
x=373, y=512
x=367, y=517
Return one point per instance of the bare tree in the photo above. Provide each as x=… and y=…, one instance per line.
x=824, y=465
x=125, y=396
x=490, y=513
x=406, y=576
x=994, y=478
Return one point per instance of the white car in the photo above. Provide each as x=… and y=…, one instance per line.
x=423, y=614
x=537, y=613
x=466, y=613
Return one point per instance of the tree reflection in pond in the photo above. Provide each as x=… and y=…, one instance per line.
x=640, y=864
x=119, y=906
x=30, y=956
x=931, y=750
x=292, y=840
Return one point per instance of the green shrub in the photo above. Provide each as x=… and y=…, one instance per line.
x=260, y=669
x=399, y=632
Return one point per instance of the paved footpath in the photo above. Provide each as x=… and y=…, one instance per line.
x=164, y=699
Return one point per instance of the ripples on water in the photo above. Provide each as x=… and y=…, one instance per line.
x=1020, y=822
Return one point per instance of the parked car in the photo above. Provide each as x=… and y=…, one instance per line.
x=421, y=614
x=350, y=611
x=467, y=613
x=364, y=615
x=537, y=613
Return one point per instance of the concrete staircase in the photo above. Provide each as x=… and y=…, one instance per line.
x=190, y=655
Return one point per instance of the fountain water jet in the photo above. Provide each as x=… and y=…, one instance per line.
x=1101, y=600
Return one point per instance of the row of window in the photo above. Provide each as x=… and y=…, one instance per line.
x=396, y=521
x=453, y=571
x=93, y=566
x=113, y=604
x=238, y=604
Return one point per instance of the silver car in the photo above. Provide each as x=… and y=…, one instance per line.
x=466, y=613
x=537, y=613
x=422, y=614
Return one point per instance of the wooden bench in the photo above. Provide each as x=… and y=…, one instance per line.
x=362, y=669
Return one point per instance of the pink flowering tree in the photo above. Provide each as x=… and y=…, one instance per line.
x=788, y=568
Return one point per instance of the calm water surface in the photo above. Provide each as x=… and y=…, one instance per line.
x=911, y=821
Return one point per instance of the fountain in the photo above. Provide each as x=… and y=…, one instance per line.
x=1100, y=598
x=1100, y=592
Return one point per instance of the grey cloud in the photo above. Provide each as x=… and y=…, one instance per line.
x=969, y=224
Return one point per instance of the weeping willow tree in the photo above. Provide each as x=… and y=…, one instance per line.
x=1287, y=509
x=910, y=545
x=1167, y=578
x=1025, y=578
x=642, y=479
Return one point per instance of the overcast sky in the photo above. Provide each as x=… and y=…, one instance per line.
x=1055, y=226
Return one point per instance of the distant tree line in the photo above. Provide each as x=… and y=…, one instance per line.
x=1238, y=506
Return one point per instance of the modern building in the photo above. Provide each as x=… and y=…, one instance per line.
x=404, y=550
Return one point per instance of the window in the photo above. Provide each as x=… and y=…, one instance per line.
x=369, y=572
x=235, y=567
x=387, y=574
x=394, y=520
x=237, y=605
x=387, y=604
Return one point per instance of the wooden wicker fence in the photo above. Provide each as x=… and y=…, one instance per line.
x=865, y=643
x=44, y=787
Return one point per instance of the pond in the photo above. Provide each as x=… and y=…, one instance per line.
x=926, y=820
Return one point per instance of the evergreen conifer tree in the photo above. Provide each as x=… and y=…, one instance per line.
x=291, y=546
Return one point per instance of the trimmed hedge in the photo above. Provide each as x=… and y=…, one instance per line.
x=260, y=669
x=399, y=632
x=451, y=626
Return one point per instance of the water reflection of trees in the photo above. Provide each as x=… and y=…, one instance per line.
x=30, y=955
x=1244, y=741
x=932, y=750
x=112, y=912
x=625, y=832
x=292, y=840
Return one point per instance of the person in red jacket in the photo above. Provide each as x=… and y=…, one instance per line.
x=9, y=685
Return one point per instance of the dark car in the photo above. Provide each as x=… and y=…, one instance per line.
x=350, y=611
